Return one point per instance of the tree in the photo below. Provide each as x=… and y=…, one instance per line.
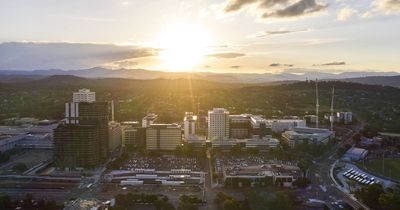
x=5, y=200
x=28, y=200
x=370, y=195
x=356, y=138
x=19, y=167
x=304, y=164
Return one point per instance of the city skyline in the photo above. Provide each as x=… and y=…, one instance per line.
x=243, y=36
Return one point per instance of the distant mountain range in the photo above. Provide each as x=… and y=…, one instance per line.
x=375, y=78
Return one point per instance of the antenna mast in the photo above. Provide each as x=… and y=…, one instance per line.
x=332, y=117
x=317, y=103
x=112, y=110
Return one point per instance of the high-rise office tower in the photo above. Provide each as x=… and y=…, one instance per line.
x=76, y=146
x=83, y=120
x=218, y=123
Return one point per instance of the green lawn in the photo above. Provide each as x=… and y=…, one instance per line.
x=392, y=167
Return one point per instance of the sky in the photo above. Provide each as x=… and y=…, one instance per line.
x=246, y=36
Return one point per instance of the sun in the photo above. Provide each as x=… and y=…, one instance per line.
x=183, y=46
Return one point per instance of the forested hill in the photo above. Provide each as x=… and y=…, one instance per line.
x=170, y=98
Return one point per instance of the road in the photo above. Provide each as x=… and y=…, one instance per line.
x=322, y=186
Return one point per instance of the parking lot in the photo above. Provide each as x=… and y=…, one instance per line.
x=164, y=163
x=359, y=177
x=353, y=178
x=230, y=164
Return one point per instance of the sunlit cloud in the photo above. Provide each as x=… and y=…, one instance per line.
x=280, y=65
x=345, y=13
x=226, y=55
x=335, y=63
x=277, y=32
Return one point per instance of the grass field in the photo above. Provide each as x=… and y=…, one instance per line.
x=392, y=167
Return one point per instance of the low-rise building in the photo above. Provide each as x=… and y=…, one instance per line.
x=9, y=142
x=313, y=135
x=240, y=172
x=133, y=135
x=239, y=126
x=355, y=154
x=163, y=136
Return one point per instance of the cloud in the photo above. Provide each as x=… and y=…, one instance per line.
x=235, y=67
x=235, y=5
x=332, y=64
x=345, y=13
x=388, y=6
x=280, y=65
x=278, y=32
x=382, y=7
x=226, y=55
x=61, y=55
x=277, y=8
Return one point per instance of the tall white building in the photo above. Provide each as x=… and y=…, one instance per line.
x=218, y=123
x=189, y=124
x=84, y=95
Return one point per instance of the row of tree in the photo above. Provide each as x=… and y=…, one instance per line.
x=28, y=203
x=376, y=197
x=127, y=201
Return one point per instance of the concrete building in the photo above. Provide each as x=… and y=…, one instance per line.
x=240, y=126
x=163, y=136
x=260, y=144
x=281, y=125
x=133, y=135
x=197, y=142
x=313, y=135
x=115, y=136
x=259, y=126
x=84, y=95
x=218, y=124
x=149, y=119
x=9, y=142
x=189, y=124
x=242, y=172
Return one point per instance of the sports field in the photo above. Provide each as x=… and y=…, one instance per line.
x=392, y=167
